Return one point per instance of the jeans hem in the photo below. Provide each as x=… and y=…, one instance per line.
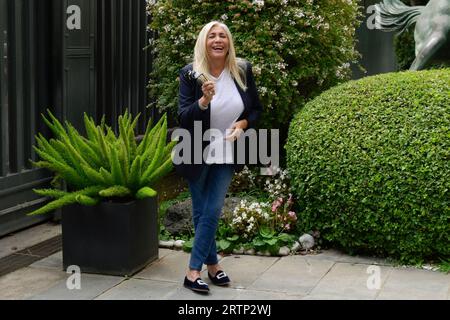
x=195, y=269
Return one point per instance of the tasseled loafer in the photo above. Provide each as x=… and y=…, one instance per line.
x=220, y=279
x=198, y=285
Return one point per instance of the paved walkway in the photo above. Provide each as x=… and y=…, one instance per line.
x=327, y=275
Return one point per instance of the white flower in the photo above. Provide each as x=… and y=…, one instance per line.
x=224, y=17
x=258, y=3
x=263, y=90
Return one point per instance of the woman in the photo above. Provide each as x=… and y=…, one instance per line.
x=226, y=101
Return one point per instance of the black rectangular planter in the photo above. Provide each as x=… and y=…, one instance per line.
x=111, y=238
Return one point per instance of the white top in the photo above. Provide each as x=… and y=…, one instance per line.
x=226, y=107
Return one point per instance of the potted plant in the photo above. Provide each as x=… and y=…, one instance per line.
x=110, y=211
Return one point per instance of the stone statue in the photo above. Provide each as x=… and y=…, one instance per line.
x=432, y=31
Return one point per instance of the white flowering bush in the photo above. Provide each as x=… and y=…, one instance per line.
x=248, y=217
x=297, y=48
x=256, y=225
x=278, y=186
x=244, y=181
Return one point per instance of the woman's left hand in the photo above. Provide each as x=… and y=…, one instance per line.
x=238, y=128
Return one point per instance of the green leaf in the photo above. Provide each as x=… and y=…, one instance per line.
x=224, y=244
x=271, y=242
x=266, y=232
x=116, y=191
x=86, y=201
x=233, y=238
x=146, y=192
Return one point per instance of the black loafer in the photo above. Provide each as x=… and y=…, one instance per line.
x=220, y=279
x=197, y=285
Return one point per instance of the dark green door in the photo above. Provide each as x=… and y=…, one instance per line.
x=79, y=60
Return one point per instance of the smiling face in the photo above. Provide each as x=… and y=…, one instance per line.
x=217, y=43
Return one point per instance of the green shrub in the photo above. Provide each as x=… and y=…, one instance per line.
x=370, y=165
x=298, y=48
x=103, y=165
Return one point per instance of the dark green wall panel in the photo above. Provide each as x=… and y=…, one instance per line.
x=375, y=46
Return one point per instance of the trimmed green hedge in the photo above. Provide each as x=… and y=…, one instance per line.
x=370, y=165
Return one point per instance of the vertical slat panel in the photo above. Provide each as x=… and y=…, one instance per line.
x=45, y=66
x=113, y=48
x=120, y=46
x=144, y=64
x=134, y=55
x=128, y=53
x=30, y=82
x=114, y=60
x=102, y=57
x=122, y=63
x=93, y=77
x=4, y=103
x=143, y=56
x=16, y=109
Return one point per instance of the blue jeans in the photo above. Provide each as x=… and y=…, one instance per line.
x=208, y=196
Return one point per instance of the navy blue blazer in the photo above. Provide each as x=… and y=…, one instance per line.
x=189, y=111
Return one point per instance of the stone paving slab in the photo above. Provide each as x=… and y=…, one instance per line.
x=415, y=284
x=216, y=293
x=265, y=295
x=92, y=285
x=55, y=261
x=164, y=252
x=140, y=289
x=27, y=282
x=294, y=275
x=172, y=267
x=244, y=270
x=21, y=240
x=349, y=281
x=338, y=256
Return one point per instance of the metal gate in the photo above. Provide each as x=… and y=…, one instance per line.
x=24, y=93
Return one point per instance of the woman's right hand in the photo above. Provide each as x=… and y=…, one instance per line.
x=209, y=91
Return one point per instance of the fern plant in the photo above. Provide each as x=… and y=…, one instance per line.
x=102, y=165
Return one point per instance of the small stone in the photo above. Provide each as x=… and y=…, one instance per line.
x=296, y=246
x=307, y=241
x=166, y=244
x=250, y=252
x=179, y=244
x=284, y=251
x=267, y=253
x=260, y=253
x=238, y=251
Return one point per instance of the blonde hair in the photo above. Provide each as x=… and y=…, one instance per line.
x=236, y=66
